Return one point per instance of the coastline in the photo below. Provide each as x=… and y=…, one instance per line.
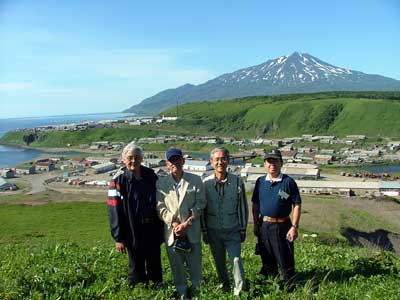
x=46, y=152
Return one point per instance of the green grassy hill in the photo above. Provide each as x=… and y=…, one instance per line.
x=373, y=114
x=62, y=138
x=282, y=117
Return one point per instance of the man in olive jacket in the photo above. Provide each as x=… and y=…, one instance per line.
x=225, y=219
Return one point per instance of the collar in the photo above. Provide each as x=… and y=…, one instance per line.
x=278, y=179
x=222, y=181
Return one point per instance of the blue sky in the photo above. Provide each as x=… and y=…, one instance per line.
x=66, y=57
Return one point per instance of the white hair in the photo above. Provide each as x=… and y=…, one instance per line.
x=219, y=149
x=132, y=149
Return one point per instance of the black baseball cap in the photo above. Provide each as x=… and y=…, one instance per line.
x=273, y=154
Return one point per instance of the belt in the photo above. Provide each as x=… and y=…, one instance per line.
x=275, y=220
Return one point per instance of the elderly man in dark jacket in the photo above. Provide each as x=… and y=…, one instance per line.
x=134, y=223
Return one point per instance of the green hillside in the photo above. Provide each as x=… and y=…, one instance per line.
x=62, y=138
x=375, y=114
x=283, y=117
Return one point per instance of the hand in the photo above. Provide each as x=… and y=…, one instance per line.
x=242, y=236
x=180, y=229
x=120, y=247
x=292, y=234
x=205, y=237
x=256, y=229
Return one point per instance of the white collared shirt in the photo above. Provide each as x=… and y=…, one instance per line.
x=278, y=179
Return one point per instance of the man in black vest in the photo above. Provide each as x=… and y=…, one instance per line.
x=274, y=197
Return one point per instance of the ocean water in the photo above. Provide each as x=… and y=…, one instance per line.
x=12, y=156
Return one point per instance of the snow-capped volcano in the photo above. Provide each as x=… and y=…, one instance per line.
x=295, y=73
x=293, y=69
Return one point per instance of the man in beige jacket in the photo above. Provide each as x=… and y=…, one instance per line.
x=180, y=200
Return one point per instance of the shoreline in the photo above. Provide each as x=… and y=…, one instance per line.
x=46, y=152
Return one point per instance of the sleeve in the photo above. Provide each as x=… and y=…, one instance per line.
x=294, y=192
x=114, y=210
x=203, y=222
x=162, y=209
x=200, y=197
x=255, y=198
x=153, y=199
x=243, y=206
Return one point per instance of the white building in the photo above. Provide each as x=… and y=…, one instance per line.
x=197, y=165
x=105, y=167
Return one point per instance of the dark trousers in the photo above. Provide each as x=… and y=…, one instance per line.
x=145, y=257
x=277, y=250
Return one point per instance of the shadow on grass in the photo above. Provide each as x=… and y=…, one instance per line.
x=378, y=239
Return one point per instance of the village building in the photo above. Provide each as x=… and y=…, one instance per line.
x=6, y=186
x=44, y=165
x=345, y=188
x=154, y=162
x=305, y=157
x=197, y=165
x=323, y=159
x=328, y=139
x=393, y=146
x=258, y=141
x=8, y=173
x=26, y=171
x=301, y=173
x=227, y=140
x=103, y=168
x=250, y=171
x=356, y=137
x=327, y=151
x=390, y=188
x=201, y=174
x=301, y=166
x=392, y=157
x=288, y=147
x=289, y=155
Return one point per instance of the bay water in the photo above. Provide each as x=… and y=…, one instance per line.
x=12, y=156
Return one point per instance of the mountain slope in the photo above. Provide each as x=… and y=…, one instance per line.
x=296, y=73
x=306, y=114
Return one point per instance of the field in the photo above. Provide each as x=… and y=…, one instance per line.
x=52, y=250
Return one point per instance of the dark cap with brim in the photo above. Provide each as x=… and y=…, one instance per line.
x=273, y=154
x=171, y=152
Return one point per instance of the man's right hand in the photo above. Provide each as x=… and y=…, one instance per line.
x=256, y=229
x=120, y=247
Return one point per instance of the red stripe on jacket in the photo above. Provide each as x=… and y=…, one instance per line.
x=112, y=202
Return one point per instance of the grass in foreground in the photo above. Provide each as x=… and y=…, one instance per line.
x=64, y=251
